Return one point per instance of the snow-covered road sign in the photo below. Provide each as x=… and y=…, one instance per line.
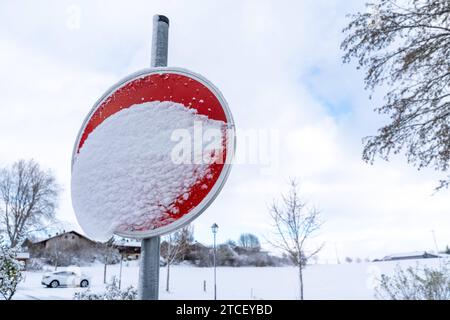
x=127, y=177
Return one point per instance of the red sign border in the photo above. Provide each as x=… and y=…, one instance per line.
x=231, y=146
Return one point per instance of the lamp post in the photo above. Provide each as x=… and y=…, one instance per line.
x=214, y=229
x=120, y=270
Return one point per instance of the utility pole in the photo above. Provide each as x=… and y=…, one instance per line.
x=336, y=253
x=435, y=242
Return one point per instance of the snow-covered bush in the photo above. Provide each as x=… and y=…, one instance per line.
x=35, y=264
x=10, y=271
x=416, y=284
x=112, y=293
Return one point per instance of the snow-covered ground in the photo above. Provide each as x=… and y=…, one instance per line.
x=340, y=281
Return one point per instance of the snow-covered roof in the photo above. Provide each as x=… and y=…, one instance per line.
x=43, y=239
x=127, y=243
x=22, y=255
x=408, y=254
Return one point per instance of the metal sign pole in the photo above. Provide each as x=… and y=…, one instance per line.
x=160, y=41
x=215, y=275
x=148, y=287
x=149, y=269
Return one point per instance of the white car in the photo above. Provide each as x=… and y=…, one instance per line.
x=65, y=279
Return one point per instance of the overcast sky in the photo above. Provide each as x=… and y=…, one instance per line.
x=278, y=65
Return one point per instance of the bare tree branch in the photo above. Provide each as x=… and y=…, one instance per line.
x=294, y=223
x=28, y=199
x=175, y=246
x=406, y=47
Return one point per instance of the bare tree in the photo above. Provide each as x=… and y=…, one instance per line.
x=108, y=254
x=28, y=198
x=406, y=46
x=249, y=241
x=175, y=246
x=55, y=252
x=294, y=223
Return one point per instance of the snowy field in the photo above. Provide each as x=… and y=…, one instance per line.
x=340, y=281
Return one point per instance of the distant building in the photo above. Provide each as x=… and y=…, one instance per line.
x=129, y=249
x=410, y=256
x=65, y=241
x=198, y=254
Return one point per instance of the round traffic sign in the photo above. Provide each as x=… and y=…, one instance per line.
x=151, y=155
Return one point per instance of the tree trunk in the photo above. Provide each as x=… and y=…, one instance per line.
x=13, y=242
x=56, y=264
x=104, y=272
x=168, y=277
x=300, y=279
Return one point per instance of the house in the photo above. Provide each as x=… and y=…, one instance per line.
x=68, y=248
x=78, y=244
x=129, y=249
x=65, y=241
x=198, y=254
x=63, y=249
x=410, y=256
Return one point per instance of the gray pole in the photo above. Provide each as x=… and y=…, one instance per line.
x=148, y=286
x=435, y=242
x=215, y=285
x=160, y=41
x=120, y=271
x=149, y=269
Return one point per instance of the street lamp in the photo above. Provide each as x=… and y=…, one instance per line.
x=214, y=229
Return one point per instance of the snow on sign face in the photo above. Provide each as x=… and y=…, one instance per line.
x=152, y=155
x=132, y=171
